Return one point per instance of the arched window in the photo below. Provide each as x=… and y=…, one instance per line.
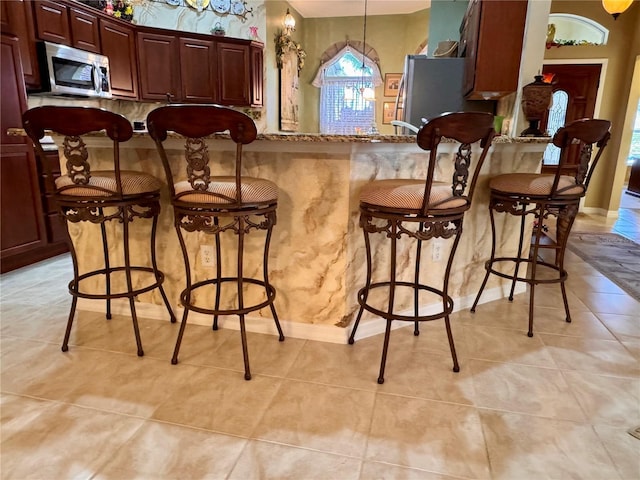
x=577, y=29
x=346, y=105
x=557, y=118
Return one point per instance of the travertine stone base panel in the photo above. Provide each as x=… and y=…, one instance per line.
x=317, y=261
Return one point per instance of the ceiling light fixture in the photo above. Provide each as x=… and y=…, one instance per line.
x=367, y=92
x=616, y=7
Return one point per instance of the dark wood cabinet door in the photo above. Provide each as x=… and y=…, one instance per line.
x=198, y=72
x=158, y=67
x=234, y=74
x=52, y=22
x=257, y=66
x=17, y=19
x=119, y=45
x=492, y=44
x=21, y=223
x=85, y=33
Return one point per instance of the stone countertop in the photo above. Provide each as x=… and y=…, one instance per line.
x=321, y=138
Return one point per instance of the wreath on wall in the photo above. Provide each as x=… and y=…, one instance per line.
x=285, y=44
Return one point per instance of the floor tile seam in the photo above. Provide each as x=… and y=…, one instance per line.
x=586, y=422
x=610, y=330
x=434, y=400
x=333, y=385
x=307, y=449
x=510, y=362
x=78, y=405
x=417, y=469
x=229, y=369
x=600, y=374
x=258, y=422
x=556, y=334
x=608, y=453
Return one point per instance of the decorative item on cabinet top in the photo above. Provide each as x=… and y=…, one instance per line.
x=238, y=8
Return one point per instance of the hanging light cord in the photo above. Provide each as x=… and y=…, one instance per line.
x=364, y=34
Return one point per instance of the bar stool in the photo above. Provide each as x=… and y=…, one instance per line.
x=544, y=195
x=217, y=204
x=98, y=197
x=434, y=208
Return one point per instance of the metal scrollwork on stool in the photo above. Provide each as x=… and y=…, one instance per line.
x=78, y=168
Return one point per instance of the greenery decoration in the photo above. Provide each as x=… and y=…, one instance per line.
x=122, y=9
x=285, y=44
x=563, y=43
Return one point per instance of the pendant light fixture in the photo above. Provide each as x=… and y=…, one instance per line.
x=367, y=93
x=616, y=7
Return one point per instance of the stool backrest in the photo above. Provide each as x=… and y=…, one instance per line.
x=583, y=134
x=465, y=128
x=73, y=123
x=195, y=123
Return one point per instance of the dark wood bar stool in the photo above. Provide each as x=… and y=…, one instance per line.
x=543, y=195
x=217, y=204
x=424, y=210
x=98, y=197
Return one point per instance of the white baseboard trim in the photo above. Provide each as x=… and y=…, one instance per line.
x=307, y=331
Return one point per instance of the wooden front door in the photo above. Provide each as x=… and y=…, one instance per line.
x=580, y=83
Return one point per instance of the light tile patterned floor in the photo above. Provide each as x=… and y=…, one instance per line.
x=557, y=405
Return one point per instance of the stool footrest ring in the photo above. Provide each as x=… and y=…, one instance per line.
x=561, y=278
x=74, y=284
x=406, y=318
x=271, y=295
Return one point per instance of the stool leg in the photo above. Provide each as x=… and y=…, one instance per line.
x=445, y=297
x=416, y=293
x=367, y=245
x=186, y=294
x=519, y=256
x=105, y=248
x=154, y=264
x=534, y=265
x=127, y=269
x=218, y=274
x=265, y=272
x=243, y=333
x=564, y=222
x=489, y=263
x=73, y=285
x=392, y=291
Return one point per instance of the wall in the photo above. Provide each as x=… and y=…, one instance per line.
x=444, y=24
x=620, y=52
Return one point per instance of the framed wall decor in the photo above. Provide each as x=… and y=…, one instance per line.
x=392, y=84
x=389, y=112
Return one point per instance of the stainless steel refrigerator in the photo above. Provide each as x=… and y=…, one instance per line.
x=432, y=86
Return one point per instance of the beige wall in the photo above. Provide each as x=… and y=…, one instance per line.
x=620, y=52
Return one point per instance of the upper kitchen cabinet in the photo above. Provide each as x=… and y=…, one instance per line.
x=52, y=22
x=84, y=29
x=17, y=20
x=234, y=78
x=119, y=45
x=198, y=70
x=491, y=40
x=159, y=66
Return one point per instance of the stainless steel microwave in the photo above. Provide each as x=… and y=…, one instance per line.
x=71, y=71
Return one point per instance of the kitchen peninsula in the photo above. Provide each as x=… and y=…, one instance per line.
x=317, y=259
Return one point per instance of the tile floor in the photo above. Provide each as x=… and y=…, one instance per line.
x=557, y=405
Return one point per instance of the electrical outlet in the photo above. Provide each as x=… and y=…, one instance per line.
x=206, y=255
x=436, y=250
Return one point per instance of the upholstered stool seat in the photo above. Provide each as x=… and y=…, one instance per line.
x=541, y=197
x=422, y=210
x=104, y=183
x=409, y=194
x=222, y=190
x=97, y=197
x=535, y=184
x=217, y=205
